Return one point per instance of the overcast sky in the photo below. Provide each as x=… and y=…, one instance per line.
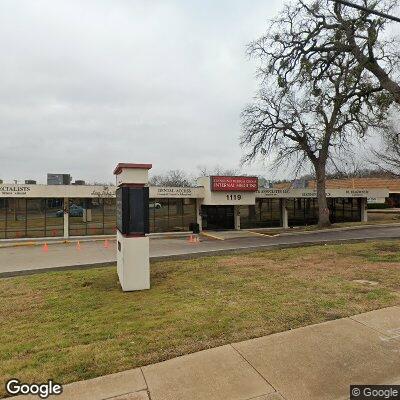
x=88, y=84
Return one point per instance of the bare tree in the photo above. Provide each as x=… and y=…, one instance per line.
x=363, y=34
x=311, y=103
x=387, y=157
x=103, y=183
x=263, y=182
x=319, y=30
x=347, y=165
x=217, y=171
x=174, y=177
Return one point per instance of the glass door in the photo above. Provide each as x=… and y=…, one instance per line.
x=218, y=217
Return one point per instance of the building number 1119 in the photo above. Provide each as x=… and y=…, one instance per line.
x=233, y=196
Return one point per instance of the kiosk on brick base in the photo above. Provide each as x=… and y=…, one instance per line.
x=132, y=202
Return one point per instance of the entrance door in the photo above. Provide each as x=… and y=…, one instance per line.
x=218, y=217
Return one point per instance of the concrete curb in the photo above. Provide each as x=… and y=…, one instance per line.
x=346, y=228
x=384, y=211
x=191, y=256
x=242, y=250
x=74, y=239
x=60, y=240
x=208, y=235
x=26, y=272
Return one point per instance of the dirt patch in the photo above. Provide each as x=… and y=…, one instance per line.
x=365, y=282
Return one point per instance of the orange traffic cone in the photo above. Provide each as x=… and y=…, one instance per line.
x=78, y=246
x=106, y=245
x=45, y=248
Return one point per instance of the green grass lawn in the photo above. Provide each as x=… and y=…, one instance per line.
x=76, y=325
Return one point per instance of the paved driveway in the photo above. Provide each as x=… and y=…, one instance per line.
x=31, y=258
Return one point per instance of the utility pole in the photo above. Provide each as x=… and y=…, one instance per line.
x=366, y=9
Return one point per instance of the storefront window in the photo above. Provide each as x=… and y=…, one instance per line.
x=295, y=214
x=189, y=213
x=245, y=221
x=345, y=209
x=302, y=211
x=77, y=223
x=175, y=215
x=271, y=212
x=40, y=217
x=305, y=211
x=54, y=217
x=264, y=214
x=16, y=218
x=160, y=208
x=36, y=217
x=3, y=218
x=356, y=209
x=31, y=218
x=109, y=216
x=92, y=216
x=171, y=215
x=310, y=211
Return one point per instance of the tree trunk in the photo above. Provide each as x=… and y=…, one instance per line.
x=323, y=211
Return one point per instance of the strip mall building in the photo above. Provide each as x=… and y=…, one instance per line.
x=391, y=184
x=28, y=211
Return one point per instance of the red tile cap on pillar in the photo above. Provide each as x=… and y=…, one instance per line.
x=120, y=166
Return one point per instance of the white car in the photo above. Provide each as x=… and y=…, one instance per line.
x=155, y=205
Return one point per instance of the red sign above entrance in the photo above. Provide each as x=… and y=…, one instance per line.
x=234, y=183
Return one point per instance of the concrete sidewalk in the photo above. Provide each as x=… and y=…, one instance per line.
x=317, y=362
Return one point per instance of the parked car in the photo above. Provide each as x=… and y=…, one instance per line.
x=74, y=211
x=155, y=205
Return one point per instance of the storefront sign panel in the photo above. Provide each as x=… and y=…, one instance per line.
x=312, y=193
x=176, y=192
x=234, y=183
x=57, y=191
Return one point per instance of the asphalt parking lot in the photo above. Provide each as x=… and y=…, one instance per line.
x=29, y=259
